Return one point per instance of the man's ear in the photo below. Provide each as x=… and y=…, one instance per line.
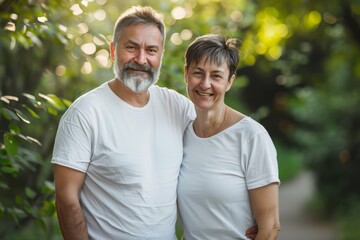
x=112, y=51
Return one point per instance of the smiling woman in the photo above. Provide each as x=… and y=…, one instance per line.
x=229, y=165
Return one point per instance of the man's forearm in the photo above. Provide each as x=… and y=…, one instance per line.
x=72, y=221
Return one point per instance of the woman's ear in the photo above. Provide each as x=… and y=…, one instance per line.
x=230, y=82
x=185, y=74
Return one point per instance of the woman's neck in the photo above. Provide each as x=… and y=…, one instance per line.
x=209, y=123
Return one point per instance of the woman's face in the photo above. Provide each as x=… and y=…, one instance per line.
x=207, y=83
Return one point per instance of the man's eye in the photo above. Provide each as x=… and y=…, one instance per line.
x=152, y=51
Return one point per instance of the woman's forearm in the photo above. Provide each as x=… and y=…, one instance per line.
x=265, y=206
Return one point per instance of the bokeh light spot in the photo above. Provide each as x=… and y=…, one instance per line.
x=178, y=13
x=88, y=48
x=86, y=68
x=60, y=70
x=176, y=39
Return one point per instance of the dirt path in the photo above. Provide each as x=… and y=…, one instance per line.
x=296, y=224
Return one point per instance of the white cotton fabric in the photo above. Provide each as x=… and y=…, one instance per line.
x=131, y=157
x=215, y=176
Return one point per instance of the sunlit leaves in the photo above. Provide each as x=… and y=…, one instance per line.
x=11, y=144
x=312, y=19
x=8, y=114
x=53, y=100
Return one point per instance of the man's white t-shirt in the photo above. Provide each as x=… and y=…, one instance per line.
x=131, y=157
x=215, y=176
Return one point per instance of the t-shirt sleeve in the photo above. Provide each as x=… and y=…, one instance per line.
x=262, y=166
x=72, y=146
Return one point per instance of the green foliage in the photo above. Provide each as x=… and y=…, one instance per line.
x=19, y=159
x=290, y=162
x=327, y=112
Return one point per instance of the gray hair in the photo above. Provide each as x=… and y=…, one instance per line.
x=138, y=15
x=216, y=49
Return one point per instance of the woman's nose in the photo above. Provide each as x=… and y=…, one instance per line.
x=206, y=82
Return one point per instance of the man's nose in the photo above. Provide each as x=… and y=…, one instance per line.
x=141, y=57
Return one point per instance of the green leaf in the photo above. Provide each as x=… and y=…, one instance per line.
x=9, y=115
x=33, y=140
x=10, y=170
x=29, y=96
x=48, y=187
x=59, y=104
x=30, y=193
x=53, y=101
x=62, y=39
x=19, y=200
x=67, y=102
x=5, y=161
x=3, y=185
x=17, y=213
x=11, y=144
x=52, y=111
x=14, y=128
x=32, y=112
x=21, y=116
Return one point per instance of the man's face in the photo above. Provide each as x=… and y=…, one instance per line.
x=137, y=56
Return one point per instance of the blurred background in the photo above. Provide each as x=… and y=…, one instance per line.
x=299, y=76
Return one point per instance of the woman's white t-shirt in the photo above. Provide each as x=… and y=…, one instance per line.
x=215, y=176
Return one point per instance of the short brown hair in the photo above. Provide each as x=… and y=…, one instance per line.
x=216, y=49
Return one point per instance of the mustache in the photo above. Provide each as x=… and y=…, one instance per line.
x=138, y=67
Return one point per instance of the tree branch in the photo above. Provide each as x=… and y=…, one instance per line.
x=350, y=22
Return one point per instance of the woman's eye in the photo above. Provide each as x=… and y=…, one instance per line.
x=217, y=77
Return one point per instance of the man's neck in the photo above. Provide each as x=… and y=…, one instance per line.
x=127, y=95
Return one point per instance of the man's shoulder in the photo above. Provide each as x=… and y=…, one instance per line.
x=163, y=89
x=167, y=93
x=92, y=96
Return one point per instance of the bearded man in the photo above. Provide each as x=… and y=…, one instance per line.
x=118, y=148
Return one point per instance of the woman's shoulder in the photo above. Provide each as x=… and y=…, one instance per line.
x=250, y=127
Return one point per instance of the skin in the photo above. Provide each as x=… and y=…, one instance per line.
x=206, y=87
x=207, y=84
x=141, y=44
x=68, y=183
x=265, y=206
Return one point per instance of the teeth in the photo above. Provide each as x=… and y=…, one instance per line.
x=203, y=94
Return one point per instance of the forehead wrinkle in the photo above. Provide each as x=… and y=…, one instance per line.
x=133, y=42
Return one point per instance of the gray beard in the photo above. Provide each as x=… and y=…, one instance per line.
x=136, y=82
